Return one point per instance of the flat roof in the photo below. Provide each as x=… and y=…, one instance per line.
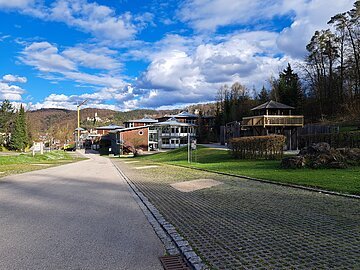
x=109, y=127
x=143, y=120
x=173, y=122
x=129, y=128
x=183, y=114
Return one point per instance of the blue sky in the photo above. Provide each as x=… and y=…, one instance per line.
x=129, y=54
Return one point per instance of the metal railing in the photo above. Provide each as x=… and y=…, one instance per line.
x=274, y=120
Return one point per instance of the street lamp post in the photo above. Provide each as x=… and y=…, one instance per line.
x=78, y=123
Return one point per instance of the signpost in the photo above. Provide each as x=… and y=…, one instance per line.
x=78, y=123
x=38, y=147
x=191, y=147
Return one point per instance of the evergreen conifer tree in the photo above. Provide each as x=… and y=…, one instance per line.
x=19, y=136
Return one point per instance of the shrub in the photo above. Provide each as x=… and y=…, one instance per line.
x=258, y=147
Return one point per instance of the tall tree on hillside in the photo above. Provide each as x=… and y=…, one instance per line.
x=287, y=89
x=321, y=59
x=6, y=116
x=290, y=91
x=19, y=136
x=232, y=104
x=6, y=119
x=347, y=31
x=263, y=96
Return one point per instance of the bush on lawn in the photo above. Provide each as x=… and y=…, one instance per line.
x=258, y=147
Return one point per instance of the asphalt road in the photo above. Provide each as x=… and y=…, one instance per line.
x=76, y=216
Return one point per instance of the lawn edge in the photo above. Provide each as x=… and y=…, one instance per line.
x=313, y=189
x=52, y=165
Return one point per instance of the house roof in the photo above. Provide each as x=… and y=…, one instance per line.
x=173, y=122
x=183, y=114
x=126, y=129
x=143, y=120
x=272, y=105
x=110, y=127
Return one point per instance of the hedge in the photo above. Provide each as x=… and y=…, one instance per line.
x=258, y=147
x=336, y=140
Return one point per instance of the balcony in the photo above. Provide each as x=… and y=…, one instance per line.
x=273, y=120
x=175, y=135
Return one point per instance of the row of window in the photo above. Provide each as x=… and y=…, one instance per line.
x=177, y=130
x=174, y=141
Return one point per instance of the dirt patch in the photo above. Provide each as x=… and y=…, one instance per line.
x=146, y=167
x=193, y=185
x=40, y=164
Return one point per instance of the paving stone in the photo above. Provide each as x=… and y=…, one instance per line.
x=252, y=225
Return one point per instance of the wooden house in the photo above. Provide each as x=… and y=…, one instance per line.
x=274, y=118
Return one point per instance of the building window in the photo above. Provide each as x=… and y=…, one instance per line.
x=174, y=141
x=141, y=132
x=165, y=141
x=152, y=137
x=184, y=129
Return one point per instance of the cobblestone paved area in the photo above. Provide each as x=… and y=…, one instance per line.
x=244, y=224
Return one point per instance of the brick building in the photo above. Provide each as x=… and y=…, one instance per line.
x=126, y=139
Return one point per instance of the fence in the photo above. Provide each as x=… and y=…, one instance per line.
x=336, y=140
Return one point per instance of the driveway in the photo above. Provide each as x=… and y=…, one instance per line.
x=75, y=216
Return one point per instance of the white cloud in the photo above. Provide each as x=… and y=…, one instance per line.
x=14, y=78
x=310, y=16
x=105, y=98
x=16, y=3
x=211, y=14
x=47, y=58
x=93, y=59
x=176, y=76
x=307, y=15
x=10, y=92
x=101, y=80
x=99, y=20
x=4, y=37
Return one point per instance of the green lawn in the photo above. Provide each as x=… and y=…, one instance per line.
x=13, y=164
x=341, y=180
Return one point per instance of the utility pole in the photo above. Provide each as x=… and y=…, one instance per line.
x=78, y=122
x=189, y=147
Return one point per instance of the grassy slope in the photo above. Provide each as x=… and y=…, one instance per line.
x=346, y=181
x=26, y=162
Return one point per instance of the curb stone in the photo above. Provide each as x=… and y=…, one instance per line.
x=318, y=190
x=173, y=242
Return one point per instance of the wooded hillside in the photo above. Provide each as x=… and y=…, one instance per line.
x=60, y=123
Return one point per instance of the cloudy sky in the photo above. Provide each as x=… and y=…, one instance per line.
x=128, y=54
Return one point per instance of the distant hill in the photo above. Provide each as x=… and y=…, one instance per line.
x=60, y=123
